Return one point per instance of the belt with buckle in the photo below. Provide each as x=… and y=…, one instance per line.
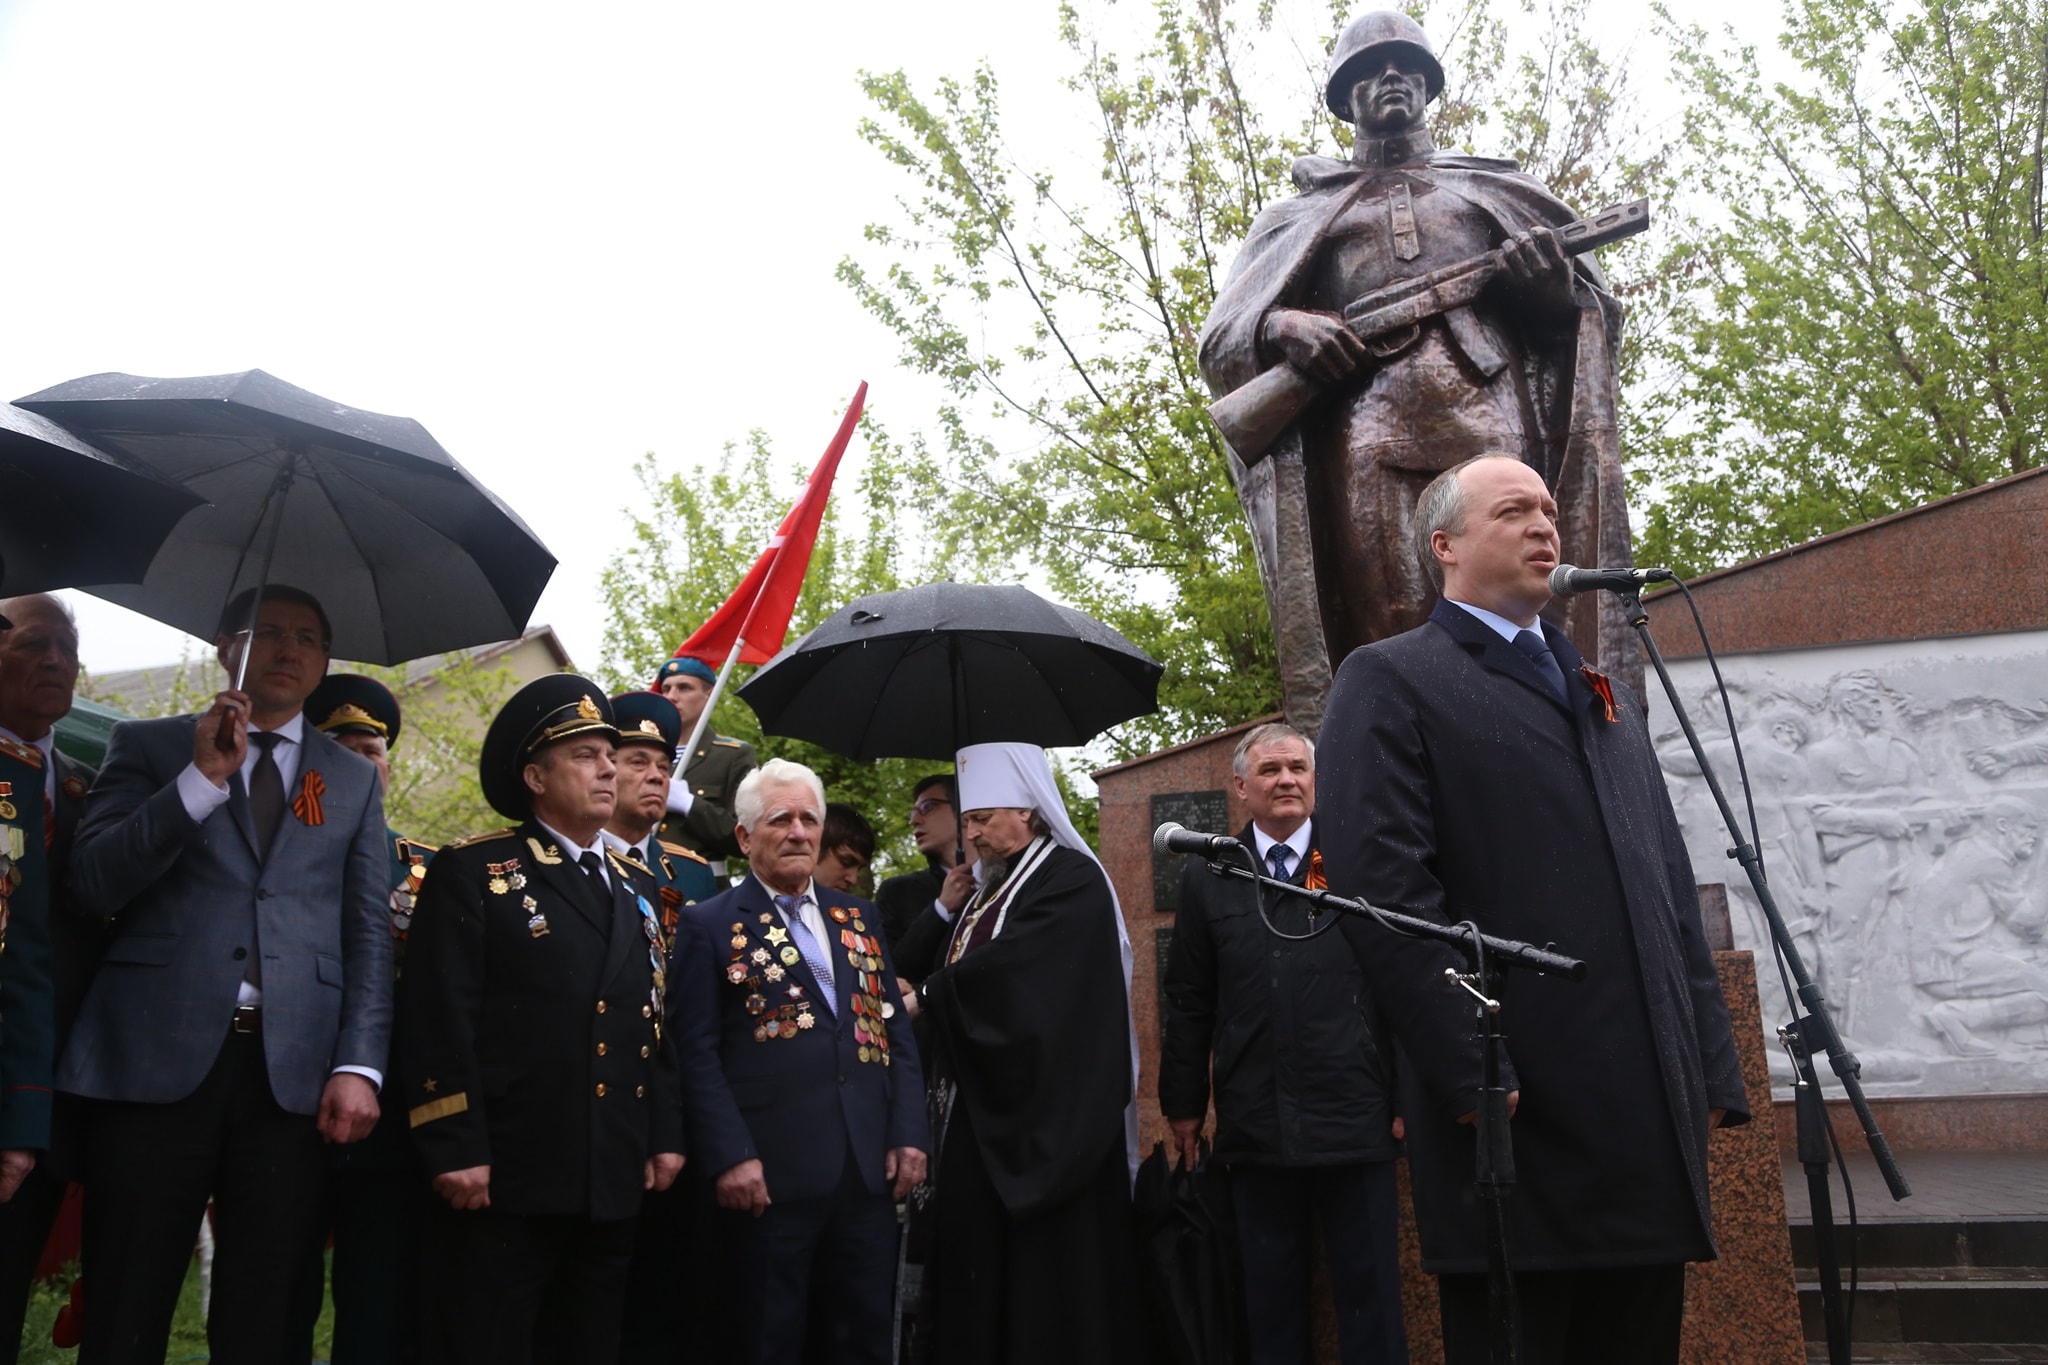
x=248, y=1019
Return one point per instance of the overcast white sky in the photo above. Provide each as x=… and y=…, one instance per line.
x=559, y=236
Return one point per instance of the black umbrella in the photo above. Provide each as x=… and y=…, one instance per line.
x=924, y=672
x=71, y=514
x=408, y=554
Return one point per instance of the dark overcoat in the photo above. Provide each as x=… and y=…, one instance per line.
x=1455, y=787
x=529, y=1039
x=1302, y=1074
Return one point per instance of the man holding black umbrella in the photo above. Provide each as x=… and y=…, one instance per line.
x=242, y=1013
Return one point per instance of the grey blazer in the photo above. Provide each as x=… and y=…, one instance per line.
x=190, y=901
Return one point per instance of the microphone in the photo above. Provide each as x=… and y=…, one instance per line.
x=1567, y=579
x=1174, y=838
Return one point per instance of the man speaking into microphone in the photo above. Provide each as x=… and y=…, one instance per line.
x=1475, y=770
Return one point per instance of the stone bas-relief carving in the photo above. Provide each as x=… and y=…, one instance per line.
x=1901, y=793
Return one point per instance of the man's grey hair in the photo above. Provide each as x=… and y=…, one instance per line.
x=1442, y=508
x=15, y=608
x=750, y=802
x=1272, y=732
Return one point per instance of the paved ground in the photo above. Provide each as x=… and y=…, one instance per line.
x=1933, y=1353
x=1946, y=1186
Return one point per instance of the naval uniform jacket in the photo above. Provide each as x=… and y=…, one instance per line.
x=530, y=1039
x=761, y=1082
x=1456, y=786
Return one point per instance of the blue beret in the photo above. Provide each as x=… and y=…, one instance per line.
x=694, y=668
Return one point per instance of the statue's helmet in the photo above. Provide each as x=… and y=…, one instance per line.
x=1367, y=36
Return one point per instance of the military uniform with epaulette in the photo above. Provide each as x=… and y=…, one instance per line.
x=713, y=777
x=532, y=1042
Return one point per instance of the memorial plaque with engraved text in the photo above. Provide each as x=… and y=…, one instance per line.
x=1207, y=811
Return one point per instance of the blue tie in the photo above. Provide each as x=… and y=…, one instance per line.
x=1532, y=645
x=813, y=955
x=1279, y=855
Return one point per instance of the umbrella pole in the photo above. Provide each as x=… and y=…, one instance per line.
x=959, y=743
x=717, y=691
x=275, y=497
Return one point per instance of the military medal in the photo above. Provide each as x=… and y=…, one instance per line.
x=735, y=973
x=789, y=955
x=804, y=1020
x=778, y=935
x=839, y=914
x=757, y=1003
x=773, y=971
x=499, y=886
x=74, y=787
x=537, y=926
x=759, y=957
x=7, y=810
x=739, y=940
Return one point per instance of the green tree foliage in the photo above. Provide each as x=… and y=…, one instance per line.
x=435, y=795
x=1869, y=331
x=1070, y=314
x=695, y=534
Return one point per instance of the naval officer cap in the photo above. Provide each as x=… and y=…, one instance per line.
x=648, y=718
x=351, y=704
x=546, y=711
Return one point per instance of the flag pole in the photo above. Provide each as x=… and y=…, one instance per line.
x=717, y=691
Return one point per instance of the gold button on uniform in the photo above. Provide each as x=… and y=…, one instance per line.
x=600, y=1049
x=600, y=1007
x=639, y=1092
x=645, y=1050
x=600, y=1089
x=646, y=1011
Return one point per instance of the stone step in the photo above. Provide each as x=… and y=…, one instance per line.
x=1931, y=1243
x=1947, y=1304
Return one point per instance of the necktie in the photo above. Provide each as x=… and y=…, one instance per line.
x=593, y=868
x=813, y=955
x=1279, y=856
x=266, y=789
x=1532, y=645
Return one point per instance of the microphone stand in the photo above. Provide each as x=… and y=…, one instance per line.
x=1488, y=959
x=1802, y=1037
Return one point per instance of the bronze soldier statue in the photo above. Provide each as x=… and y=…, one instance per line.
x=1509, y=347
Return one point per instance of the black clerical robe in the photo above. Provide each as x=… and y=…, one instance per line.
x=1031, y=1031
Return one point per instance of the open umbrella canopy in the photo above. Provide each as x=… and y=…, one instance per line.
x=924, y=672
x=71, y=513
x=408, y=553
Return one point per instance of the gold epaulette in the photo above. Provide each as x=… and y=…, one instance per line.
x=484, y=838
x=626, y=860
x=678, y=851
x=22, y=753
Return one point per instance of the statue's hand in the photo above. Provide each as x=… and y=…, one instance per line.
x=1538, y=269
x=1317, y=344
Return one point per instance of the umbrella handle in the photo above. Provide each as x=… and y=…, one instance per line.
x=278, y=489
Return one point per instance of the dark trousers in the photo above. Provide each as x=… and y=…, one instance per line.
x=848, y=1241
x=25, y=1223
x=150, y=1168
x=375, y=1218
x=524, y=1289
x=1356, y=1207
x=661, y=1276
x=1627, y=1316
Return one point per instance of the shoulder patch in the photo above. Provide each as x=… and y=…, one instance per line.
x=727, y=742
x=678, y=851
x=484, y=838
x=22, y=753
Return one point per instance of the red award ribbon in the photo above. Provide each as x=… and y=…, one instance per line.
x=306, y=805
x=1598, y=682
x=1315, y=880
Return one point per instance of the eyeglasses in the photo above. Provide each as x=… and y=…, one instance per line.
x=928, y=805
x=271, y=637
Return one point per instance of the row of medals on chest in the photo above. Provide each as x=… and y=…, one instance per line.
x=757, y=968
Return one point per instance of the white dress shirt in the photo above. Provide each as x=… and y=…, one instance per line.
x=574, y=851
x=1500, y=625
x=1296, y=842
x=202, y=798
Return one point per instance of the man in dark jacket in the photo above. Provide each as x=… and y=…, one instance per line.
x=1475, y=770
x=1301, y=1074
x=917, y=908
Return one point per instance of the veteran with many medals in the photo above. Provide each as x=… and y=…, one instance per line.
x=532, y=1062
x=374, y=1190
x=649, y=731
x=802, y=1084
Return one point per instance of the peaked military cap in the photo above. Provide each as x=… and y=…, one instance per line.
x=349, y=703
x=546, y=711
x=695, y=668
x=648, y=718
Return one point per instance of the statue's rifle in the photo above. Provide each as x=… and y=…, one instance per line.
x=1387, y=320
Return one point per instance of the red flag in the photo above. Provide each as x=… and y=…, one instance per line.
x=759, y=609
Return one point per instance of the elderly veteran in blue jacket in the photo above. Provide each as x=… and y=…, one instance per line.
x=801, y=1083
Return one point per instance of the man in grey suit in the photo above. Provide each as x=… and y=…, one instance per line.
x=241, y=1015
